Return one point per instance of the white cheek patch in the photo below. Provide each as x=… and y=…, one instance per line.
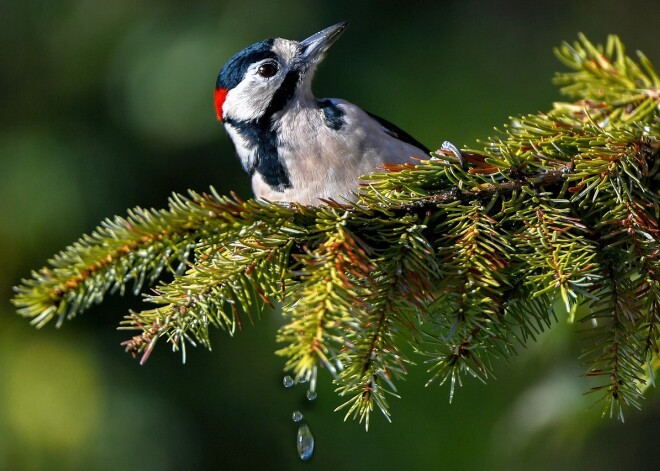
x=250, y=98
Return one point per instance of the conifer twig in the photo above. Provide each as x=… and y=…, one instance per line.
x=463, y=262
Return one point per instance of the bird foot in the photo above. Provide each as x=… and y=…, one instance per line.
x=449, y=147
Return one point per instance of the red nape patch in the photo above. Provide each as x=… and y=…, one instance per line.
x=220, y=96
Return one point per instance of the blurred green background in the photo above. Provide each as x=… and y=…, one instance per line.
x=108, y=105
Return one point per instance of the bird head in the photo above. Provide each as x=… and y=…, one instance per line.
x=262, y=79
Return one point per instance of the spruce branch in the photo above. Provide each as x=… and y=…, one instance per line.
x=462, y=262
x=616, y=346
x=396, y=302
x=470, y=307
x=325, y=302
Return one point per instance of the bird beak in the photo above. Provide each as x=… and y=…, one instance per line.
x=316, y=45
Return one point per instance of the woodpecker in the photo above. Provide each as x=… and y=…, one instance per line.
x=296, y=147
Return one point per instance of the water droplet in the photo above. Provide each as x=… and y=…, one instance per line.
x=287, y=381
x=312, y=380
x=305, y=442
x=311, y=395
x=302, y=380
x=297, y=416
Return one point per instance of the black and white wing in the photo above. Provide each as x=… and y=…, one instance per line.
x=398, y=133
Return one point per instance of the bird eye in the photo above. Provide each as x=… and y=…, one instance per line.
x=267, y=69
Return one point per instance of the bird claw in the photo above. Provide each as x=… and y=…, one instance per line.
x=449, y=147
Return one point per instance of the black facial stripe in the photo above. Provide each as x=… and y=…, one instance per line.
x=259, y=134
x=334, y=115
x=234, y=70
x=283, y=94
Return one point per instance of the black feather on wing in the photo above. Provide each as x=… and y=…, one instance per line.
x=399, y=133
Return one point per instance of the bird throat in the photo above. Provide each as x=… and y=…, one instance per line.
x=260, y=140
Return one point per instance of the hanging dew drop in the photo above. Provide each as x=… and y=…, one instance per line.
x=311, y=393
x=305, y=442
x=312, y=382
x=287, y=381
x=296, y=416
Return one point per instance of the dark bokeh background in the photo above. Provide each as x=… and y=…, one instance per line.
x=108, y=105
